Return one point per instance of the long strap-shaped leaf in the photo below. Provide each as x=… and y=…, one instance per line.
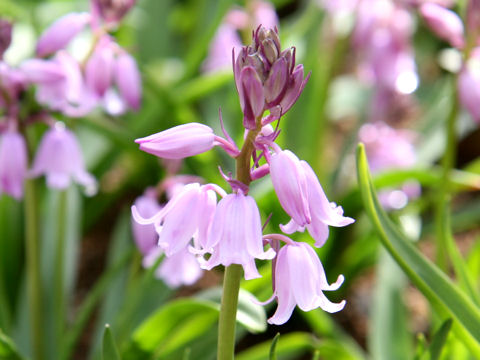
x=429, y=279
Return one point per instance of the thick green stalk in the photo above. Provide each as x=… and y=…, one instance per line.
x=59, y=283
x=34, y=281
x=234, y=272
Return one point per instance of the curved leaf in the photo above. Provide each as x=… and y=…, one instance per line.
x=430, y=280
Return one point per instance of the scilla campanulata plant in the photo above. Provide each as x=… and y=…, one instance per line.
x=230, y=231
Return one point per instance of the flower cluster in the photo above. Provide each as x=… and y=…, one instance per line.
x=229, y=230
x=107, y=77
x=448, y=26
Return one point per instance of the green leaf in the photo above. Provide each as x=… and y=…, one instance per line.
x=439, y=340
x=273, y=348
x=292, y=344
x=8, y=350
x=109, y=348
x=430, y=280
x=172, y=326
x=249, y=314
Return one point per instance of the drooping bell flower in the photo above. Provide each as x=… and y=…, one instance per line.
x=179, y=142
x=186, y=216
x=302, y=197
x=100, y=67
x=445, y=23
x=60, y=159
x=469, y=85
x=61, y=32
x=181, y=268
x=300, y=279
x=60, y=84
x=13, y=163
x=128, y=79
x=235, y=236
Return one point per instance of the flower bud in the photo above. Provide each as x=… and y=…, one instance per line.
x=128, y=80
x=112, y=11
x=13, y=163
x=252, y=99
x=179, y=142
x=443, y=22
x=59, y=34
x=99, y=68
x=5, y=36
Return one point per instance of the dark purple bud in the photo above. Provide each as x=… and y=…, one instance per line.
x=295, y=88
x=252, y=99
x=277, y=81
x=112, y=11
x=270, y=50
x=5, y=36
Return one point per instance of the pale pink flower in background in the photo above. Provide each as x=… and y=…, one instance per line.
x=469, y=85
x=300, y=280
x=227, y=38
x=100, y=67
x=13, y=163
x=387, y=149
x=145, y=235
x=111, y=11
x=445, y=23
x=61, y=32
x=60, y=159
x=235, y=236
x=128, y=80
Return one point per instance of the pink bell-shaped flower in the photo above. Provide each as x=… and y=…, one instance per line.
x=187, y=215
x=60, y=158
x=236, y=235
x=181, y=268
x=179, y=142
x=13, y=163
x=59, y=34
x=445, y=23
x=99, y=67
x=302, y=197
x=300, y=280
x=469, y=85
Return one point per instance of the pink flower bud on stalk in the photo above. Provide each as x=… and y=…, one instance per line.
x=13, y=163
x=445, y=23
x=59, y=34
x=60, y=158
x=5, y=36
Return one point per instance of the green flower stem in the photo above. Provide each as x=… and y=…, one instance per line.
x=234, y=272
x=442, y=210
x=447, y=249
x=33, y=268
x=59, y=283
x=228, y=312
